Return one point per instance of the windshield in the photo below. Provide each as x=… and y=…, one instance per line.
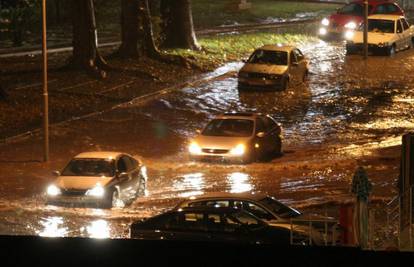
x=279, y=208
x=229, y=127
x=354, y=10
x=90, y=167
x=379, y=25
x=269, y=57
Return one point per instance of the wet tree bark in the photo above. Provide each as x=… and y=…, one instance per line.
x=178, y=28
x=129, y=28
x=85, y=39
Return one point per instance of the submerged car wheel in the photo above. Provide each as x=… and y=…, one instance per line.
x=142, y=186
x=390, y=50
x=285, y=83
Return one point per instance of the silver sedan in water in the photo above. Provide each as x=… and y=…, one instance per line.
x=242, y=137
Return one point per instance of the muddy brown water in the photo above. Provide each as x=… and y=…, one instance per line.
x=348, y=110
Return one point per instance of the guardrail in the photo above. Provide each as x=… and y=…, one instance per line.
x=312, y=230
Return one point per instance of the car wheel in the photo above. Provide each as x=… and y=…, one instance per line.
x=114, y=200
x=285, y=83
x=390, y=50
x=278, y=149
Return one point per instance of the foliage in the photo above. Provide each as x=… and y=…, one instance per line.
x=220, y=49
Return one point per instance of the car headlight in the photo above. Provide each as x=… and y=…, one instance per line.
x=323, y=31
x=97, y=191
x=349, y=35
x=194, y=148
x=53, y=190
x=385, y=44
x=238, y=150
x=351, y=25
x=325, y=22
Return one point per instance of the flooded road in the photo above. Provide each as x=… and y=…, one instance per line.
x=348, y=112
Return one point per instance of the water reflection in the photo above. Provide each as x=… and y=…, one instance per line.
x=192, y=184
x=53, y=227
x=239, y=182
x=97, y=229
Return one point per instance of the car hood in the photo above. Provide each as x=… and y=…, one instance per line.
x=373, y=37
x=220, y=142
x=342, y=20
x=264, y=68
x=81, y=182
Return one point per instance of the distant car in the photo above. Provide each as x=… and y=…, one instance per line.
x=241, y=137
x=274, y=67
x=351, y=15
x=266, y=208
x=386, y=33
x=211, y=224
x=99, y=179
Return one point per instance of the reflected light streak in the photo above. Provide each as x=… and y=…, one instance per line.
x=367, y=148
x=239, y=182
x=192, y=183
x=53, y=228
x=98, y=229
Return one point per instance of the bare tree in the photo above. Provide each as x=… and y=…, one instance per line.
x=85, y=38
x=178, y=28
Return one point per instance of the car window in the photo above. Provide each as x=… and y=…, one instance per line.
x=391, y=8
x=279, y=208
x=122, y=165
x=210, y=203
x=89, y=167
x=405, y=24
x=298, y=54
x=380, y=25
x=258, y=211
x=381, y=9
x=268, y=57
x=269, y=123
x=293, y=58
x=260, y=126
x=399, y=27
x=229, y=127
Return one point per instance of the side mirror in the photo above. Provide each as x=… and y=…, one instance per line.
x=56, y=173
x=260, y=134
x=244, y=60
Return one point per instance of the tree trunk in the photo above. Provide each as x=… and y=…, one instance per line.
x=129, y=28
x=85, y=38
x=178, y=26
x=149, y=48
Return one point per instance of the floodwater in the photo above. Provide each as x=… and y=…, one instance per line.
x=348, y=112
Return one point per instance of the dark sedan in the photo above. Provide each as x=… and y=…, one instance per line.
x=211, y=224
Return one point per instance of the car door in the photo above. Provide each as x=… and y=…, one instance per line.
x=125, y=173
x=302, y=64
x=400, y=42
x=406, y=33
x=262, y=142
x=274, y=133
x=294, y=68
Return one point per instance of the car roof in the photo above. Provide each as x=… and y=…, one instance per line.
x=373, y=2
x=99, y=155
x=215, y=195
x=209, y=209
x=277, y=47
x=386, y=17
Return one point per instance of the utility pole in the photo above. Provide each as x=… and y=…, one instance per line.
x=45, y=91
x=365, y=29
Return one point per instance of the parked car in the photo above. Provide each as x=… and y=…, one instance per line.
x=242, y=137
x=386, y=33
x=216, y=224
x=268, y=209
x=351, y=15
x=274, y=67
x=99, y=179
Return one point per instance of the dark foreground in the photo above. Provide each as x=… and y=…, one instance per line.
x=38, y=251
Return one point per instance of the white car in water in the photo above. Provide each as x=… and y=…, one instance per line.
x=386, y=33
x=99, y=179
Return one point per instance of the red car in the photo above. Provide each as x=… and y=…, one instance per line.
x=351, y=16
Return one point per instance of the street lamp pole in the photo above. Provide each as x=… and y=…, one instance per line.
x=365, y=29
x=45, y=90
